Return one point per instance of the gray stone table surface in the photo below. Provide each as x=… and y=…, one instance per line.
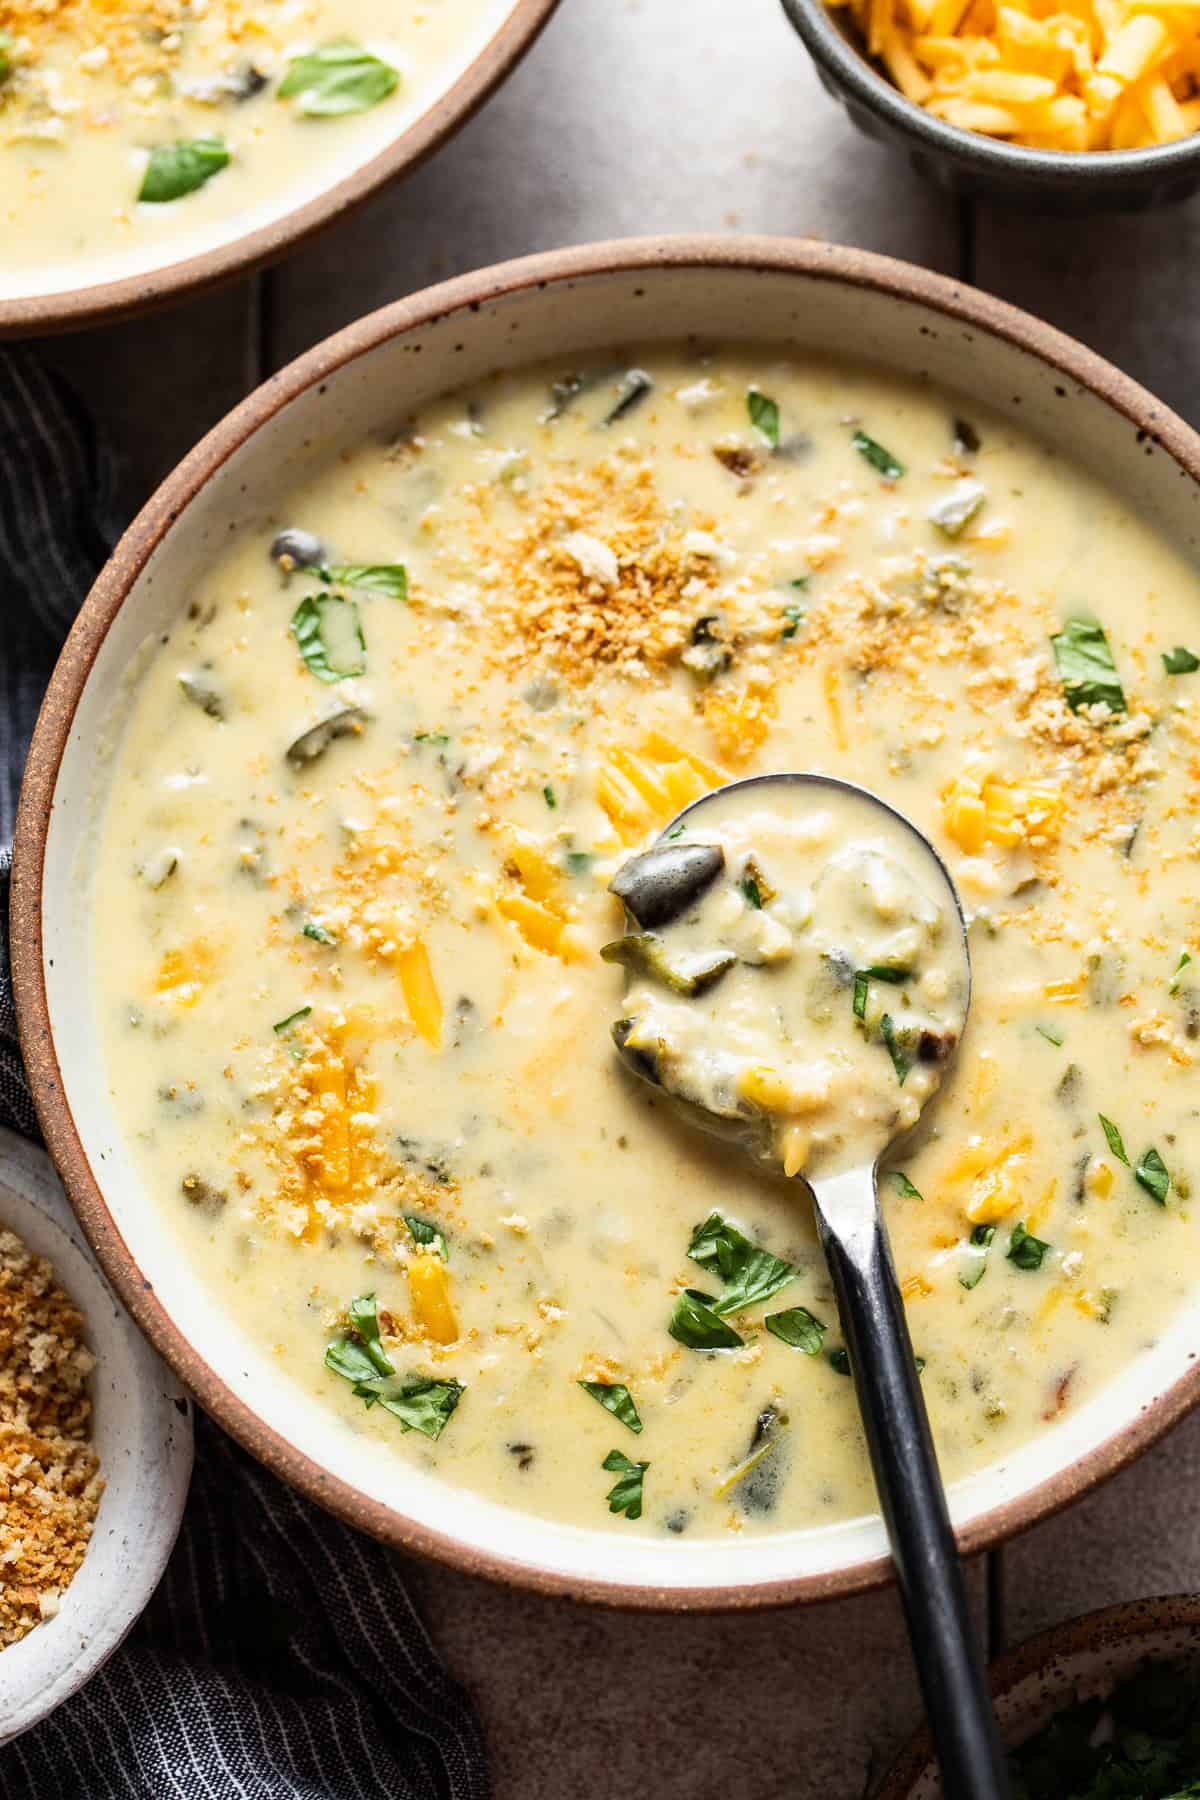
x=646, y=116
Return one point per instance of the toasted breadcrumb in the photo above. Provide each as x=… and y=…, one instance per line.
x=50, y=1484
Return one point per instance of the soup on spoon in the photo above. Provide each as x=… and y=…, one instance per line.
x=798, y=979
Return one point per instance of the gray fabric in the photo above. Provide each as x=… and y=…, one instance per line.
x=281, y=1658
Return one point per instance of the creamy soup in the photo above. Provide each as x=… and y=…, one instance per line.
x=135, y=134
x=798, y=974
x=351, y=892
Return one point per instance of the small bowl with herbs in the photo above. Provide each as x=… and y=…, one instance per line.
x=1105, y=1707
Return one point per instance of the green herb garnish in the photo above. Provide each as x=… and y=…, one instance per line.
x=695, y=1323
x=328, y=634
x=420, y=1403
x=905, y=1187
x=625, y=1496
x=615, y=1397
x=550, y=797
x=749, y=1273
x=374, y=578
x=901, y=1061
x=1086, y=667
x=317, y=933
x=292, y=1019
x=797, y=1327
x=181, y=168
x=579, y=862
x=877, y=456
x=764, y=416
x=1184, y=959
x=1025, y=1250
x=1115, y=1141
x=1140, y=1743
x=1180, y=661
x=1151, y=1173
x=978, y=1243
x=429, y=1237
x=338, y=78
x=1051, y=1036
x=875, y=972
x=750, y=893
x=6, y=44
x=794, y=618
x=839, y=1360
x=633, y=390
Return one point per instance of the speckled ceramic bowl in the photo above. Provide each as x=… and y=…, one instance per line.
x=1059, y=181
x=142, y=1429
x=812, y=298
x=1082, y=1658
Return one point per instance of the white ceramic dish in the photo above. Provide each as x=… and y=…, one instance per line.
x=143, y=1436
x=368, y=378
x=345, y=169
x=1084, y=1658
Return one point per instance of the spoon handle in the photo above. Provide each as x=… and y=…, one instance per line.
x=913, y=1503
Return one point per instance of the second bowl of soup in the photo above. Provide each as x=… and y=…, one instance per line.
x=374, y=701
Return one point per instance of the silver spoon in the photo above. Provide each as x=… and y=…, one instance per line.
x=896, y=1425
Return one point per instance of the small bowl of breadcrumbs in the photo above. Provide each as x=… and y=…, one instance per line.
x=95, y=1452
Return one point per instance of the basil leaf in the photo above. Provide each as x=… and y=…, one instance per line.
x=748, y=1272
x=1184, y=959
x=292, y=1019
x=1051, y=1036
x=349, y=1360
x=1025, y=1250
x=375, y=578
x=764, y=416
x=978, y=1243
x=633, y=390
x=364, y=1317
x=625, y=1496
x=427, y=1235
x=1151, y=1173
x=178, y=169
x=1115, y=1142
x=861, y=988
x=336, y=79
x=876, y=972
x=901, y=1061
x=797, y=1327
x=877, y=456
x=750, y=893
x=1180, y=661
x=695, y=1323
x=615, y=1397
x=326, y=630
x=905, y=1187
x=550, y=797
x=317, y=933
x=1086, y=667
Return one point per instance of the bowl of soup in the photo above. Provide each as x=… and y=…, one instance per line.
x=374, y=700
x=149, y=152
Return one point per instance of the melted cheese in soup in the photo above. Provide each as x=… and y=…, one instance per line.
x=352, y=889
x=133, y=135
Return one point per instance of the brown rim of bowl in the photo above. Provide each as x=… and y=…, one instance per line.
x=69, y=309
x=1112, y=1625
x=961, y=306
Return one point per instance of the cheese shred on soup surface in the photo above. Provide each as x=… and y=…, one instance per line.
x=369, y=795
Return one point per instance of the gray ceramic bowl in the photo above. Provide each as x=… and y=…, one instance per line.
x=966, y=162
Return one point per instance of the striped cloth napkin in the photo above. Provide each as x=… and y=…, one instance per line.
x=281, y=1658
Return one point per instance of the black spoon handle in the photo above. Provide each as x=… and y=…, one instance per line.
x=913, y=1502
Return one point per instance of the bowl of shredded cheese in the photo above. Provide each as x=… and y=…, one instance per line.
x=1089, y=108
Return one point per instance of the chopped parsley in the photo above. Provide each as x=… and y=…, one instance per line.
x=978, y=1245
x=904, y=1186
x=615, y=1397
x=178, y=169
x=1180, y=661
x=879, y=458
x=335, y=79
x=1025, y=1250
x=695, y=1323
x=1086, y=667
x=429, y=1237
x=797, y=1327
x=749, y=1273
x=764, y=416
x=419, y=1402
x=625, y=1495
